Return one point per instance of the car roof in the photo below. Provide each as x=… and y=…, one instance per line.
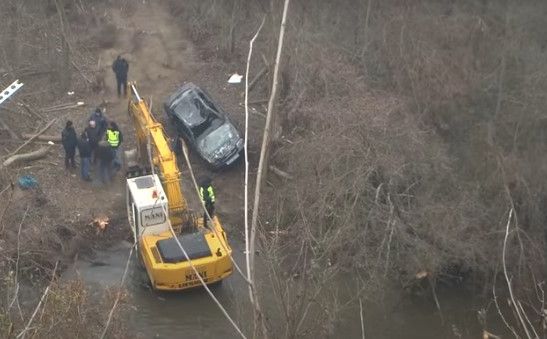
x=190, y=118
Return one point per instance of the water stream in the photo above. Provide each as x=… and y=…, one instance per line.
x=192, y=314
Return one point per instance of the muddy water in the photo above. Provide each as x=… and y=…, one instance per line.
x=163, y=315
x=193, y=315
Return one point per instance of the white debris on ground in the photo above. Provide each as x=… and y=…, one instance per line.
x=235, y=79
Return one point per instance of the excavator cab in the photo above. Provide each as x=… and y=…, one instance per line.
x=147, y=206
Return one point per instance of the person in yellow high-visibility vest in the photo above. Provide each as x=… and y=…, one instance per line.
x=207, y=194
x=115, y=138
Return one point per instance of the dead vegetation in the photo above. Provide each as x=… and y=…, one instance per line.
x=410, y=129
x=44, y=46
x=405, y=133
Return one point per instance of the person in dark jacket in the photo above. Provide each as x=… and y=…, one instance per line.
x=176, y=145
x=70, y=141
x=100, y=121
x=207, y=195
x=114, y=137
x=94, y=137
x=105, y=156
x=120, y=68
x=84, y=148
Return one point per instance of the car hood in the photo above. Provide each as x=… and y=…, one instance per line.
x=219, y=143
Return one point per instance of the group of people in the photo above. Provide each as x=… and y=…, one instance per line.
x=101, y=140
x=99, y=143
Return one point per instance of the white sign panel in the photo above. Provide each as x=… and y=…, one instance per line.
x=152, y=216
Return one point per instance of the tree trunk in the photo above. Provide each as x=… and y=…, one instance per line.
x=40, y=153
x=259, y=318
x=64, y=69
x=54, y=138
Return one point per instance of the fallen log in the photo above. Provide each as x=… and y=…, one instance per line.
x=25, y=157
x=63, y=107
x=35, y=136
x=281, y=173
x=32, y=111
x=54, y=138
x=11, y=141
x=257, y=102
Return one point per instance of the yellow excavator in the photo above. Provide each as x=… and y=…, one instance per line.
x=157, y=209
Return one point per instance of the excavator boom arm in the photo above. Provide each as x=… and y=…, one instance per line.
x=163, y=158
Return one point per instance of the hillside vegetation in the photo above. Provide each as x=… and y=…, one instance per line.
x=411, y=130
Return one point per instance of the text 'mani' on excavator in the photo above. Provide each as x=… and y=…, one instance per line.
x=155, y=203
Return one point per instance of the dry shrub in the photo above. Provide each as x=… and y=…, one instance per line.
x=408, y=152
x=371, y=182
x=67, y=311
x=107, y=36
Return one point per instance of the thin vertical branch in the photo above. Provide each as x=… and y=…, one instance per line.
x=65, y=74
x=508, y=280
x=22, y=334
x=246, y=199
x=365, y=30
x=119, y=293
x=16, y=295
x=262, y=161
x=499, y=309
x=362, y=320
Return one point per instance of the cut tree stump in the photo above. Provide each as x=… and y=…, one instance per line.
x=26, y=157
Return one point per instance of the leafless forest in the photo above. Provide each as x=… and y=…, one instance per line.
x=406, y=155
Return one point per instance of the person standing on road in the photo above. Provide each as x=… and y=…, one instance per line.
x=104, y=155
x=84, y=148
x=114, y=138
x=207, y=195
x=70, y=142
x=100, y=121
x=120, y=68
x=93, y=136
x=176, y=145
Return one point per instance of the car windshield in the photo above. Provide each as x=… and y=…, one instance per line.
x=197, y=111
x=186, y=107
x=221, y=136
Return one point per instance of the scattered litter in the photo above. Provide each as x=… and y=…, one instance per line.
x=50, y=143
x=70, y=93
x=421, y=274
x=27, y=181
x=235, y=79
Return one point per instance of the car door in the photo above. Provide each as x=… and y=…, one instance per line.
x=184, y=131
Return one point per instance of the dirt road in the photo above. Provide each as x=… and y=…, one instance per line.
x=161, y=57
